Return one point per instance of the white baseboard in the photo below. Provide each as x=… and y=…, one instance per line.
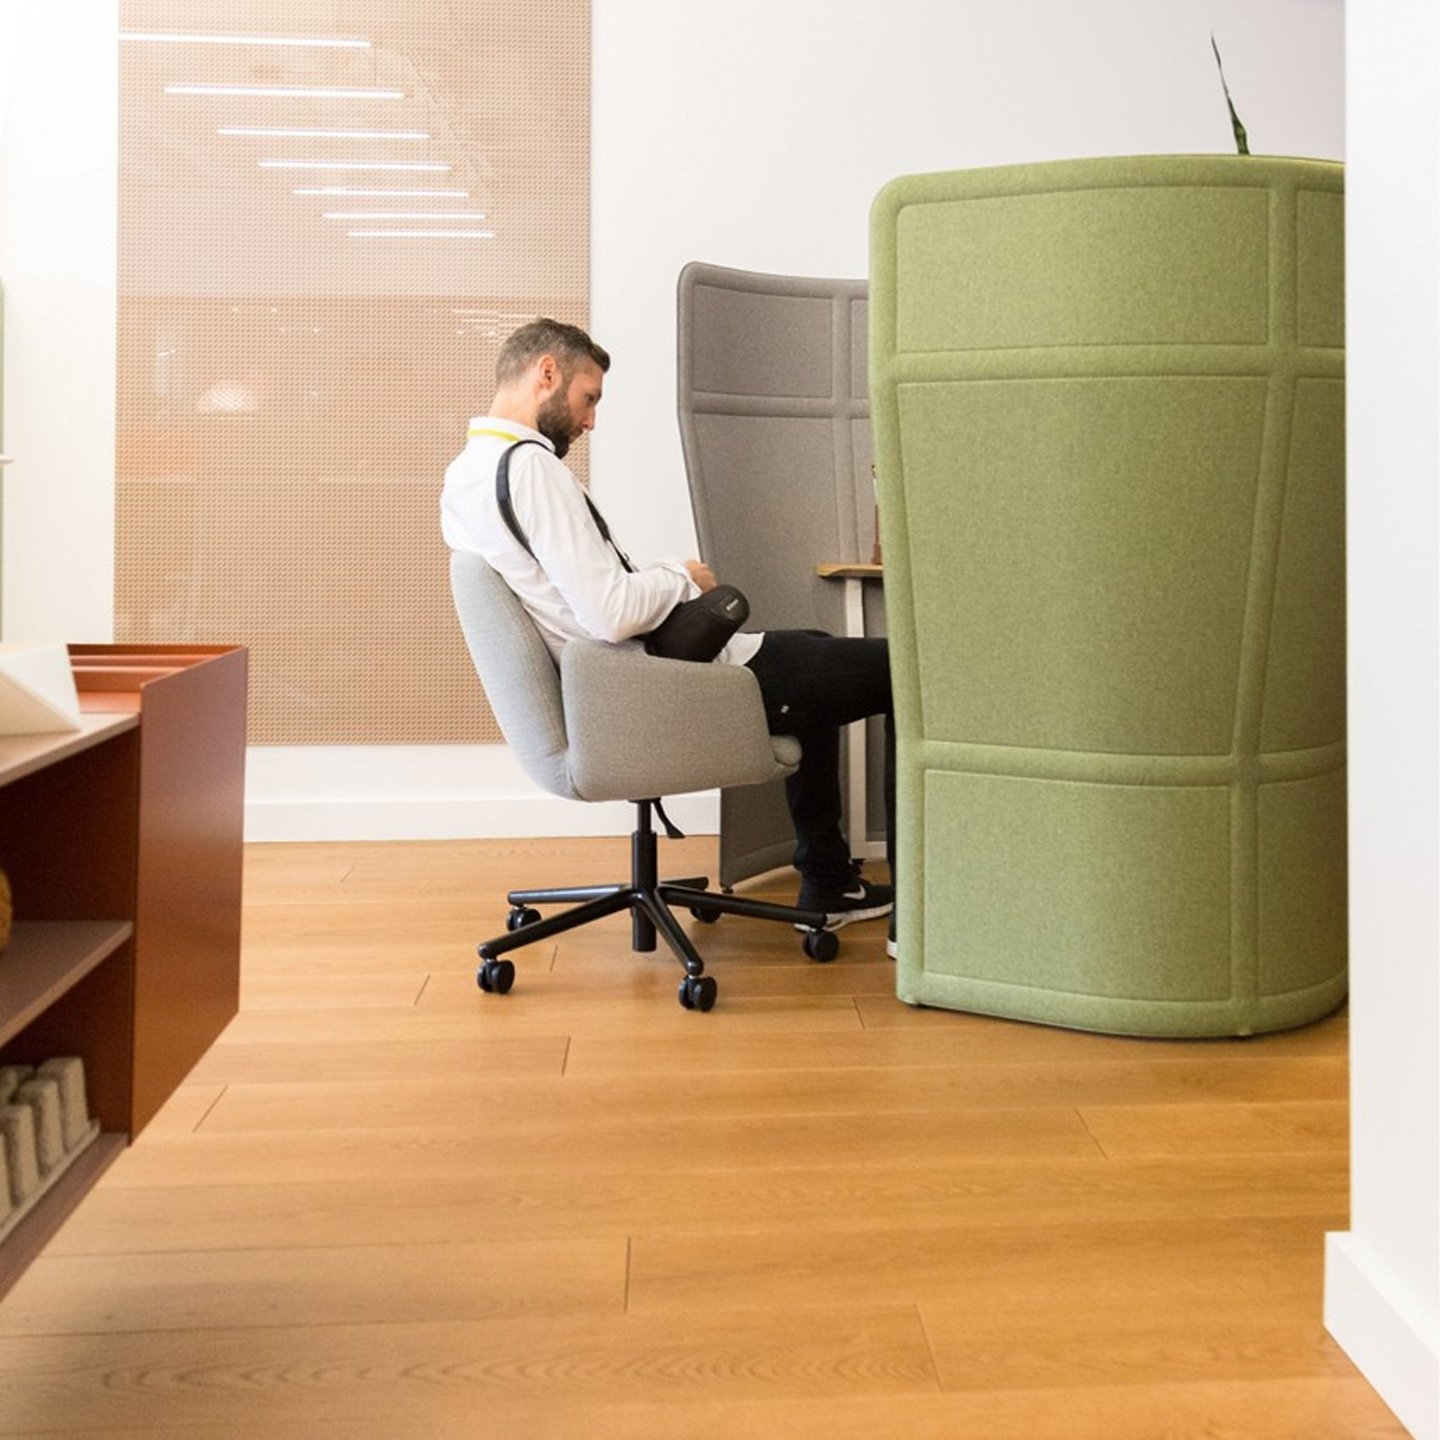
x=1387, y=1343
x=462, y=818
x=435, y=792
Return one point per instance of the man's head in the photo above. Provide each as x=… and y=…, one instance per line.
x=550, y=376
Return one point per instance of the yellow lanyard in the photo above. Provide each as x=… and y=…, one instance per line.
x=498, y=435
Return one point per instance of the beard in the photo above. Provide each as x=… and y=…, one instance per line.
x=555, y=422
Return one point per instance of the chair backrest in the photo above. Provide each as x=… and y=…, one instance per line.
x=521, y=681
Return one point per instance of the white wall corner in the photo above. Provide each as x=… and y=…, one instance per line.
x=1382, y=1300
x=1367, y=1314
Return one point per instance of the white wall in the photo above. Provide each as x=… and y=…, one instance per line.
x=1383, y=1275
x=757, y=132
x=58, y=189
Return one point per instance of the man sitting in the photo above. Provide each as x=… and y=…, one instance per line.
x=575, y=583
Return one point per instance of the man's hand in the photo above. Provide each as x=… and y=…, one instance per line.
x=701, y=574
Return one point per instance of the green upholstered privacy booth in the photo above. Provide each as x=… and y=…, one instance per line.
x=1108, y=406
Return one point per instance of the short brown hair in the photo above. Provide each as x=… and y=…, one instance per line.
x=569, y=344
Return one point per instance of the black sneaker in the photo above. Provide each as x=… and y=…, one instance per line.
x=860, y=900
x=890, y=949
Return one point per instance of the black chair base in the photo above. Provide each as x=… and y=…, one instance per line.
x=649, y=901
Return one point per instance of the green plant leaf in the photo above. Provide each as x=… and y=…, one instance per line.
x=1242, y=144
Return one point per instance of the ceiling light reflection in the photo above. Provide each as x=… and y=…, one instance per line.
x=324, y=42
x=352, y=165
x=356, y=192
x=404, y=215
x=302, y=92
x=273, y=131
x=425, y=234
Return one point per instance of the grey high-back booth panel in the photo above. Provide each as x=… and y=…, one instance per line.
x=775, y=424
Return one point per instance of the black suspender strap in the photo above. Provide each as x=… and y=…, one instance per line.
x=502, y=494
x=507, y=510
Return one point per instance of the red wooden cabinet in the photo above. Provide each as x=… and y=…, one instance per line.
x=123, y=844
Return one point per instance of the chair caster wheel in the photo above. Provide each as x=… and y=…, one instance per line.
x=705, y=914
x=697, y=992
x=521, y=915
x=496, y=977
x=822, y=945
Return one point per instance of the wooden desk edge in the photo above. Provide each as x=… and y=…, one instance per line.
x=849, y=570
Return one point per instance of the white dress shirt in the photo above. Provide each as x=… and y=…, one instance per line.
x=574, y=586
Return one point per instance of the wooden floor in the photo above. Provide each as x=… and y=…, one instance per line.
x=387, y=1205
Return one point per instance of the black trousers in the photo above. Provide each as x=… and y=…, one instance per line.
x=812, y=684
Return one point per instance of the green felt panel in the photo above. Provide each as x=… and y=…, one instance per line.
x=1106, y=890
x=1057, y=534
x=1090, y=267
x=1320, y=267
x=1305, y=679
x=1302, y=883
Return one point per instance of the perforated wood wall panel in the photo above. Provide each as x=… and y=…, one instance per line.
x=304, y=330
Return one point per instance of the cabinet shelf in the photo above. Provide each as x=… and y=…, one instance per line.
x=136, y=814
x=27, y=1238
x=46, y=958
x=22, y=755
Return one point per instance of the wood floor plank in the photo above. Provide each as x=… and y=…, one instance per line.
x=493, y=1279
x=632, y=998
x=449, y=1369
x=411, y=1098
x=183, y=1112
x=1286, y=1127
x=350, y=1062
x=781, y=974
x=848, y=1200
x=1278, y=1409
x=461, y=1143
x=274, y=873
x=300, y=1028
x=1110, y=1341
x=272, y=991
x=845, y=1200
x=950, y=1040
x=1142, y=1265
x=294, y=939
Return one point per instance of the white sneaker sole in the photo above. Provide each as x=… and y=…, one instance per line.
x=838, y=919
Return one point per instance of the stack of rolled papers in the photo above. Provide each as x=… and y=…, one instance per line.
x=44, y=1124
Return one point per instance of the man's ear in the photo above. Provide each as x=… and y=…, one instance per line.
x=547, y=373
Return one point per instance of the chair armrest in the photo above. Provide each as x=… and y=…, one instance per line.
x=639, y=726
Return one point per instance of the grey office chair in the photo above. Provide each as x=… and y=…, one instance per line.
x=613, y=723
